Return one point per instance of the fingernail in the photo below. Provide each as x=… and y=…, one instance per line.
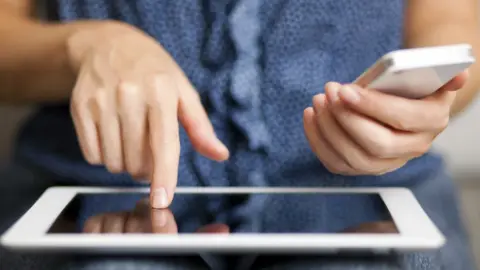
x=320, y=100
x=160, y=218
x=221, y=146
x=349, y=94
x=159, y=198
x=333, y=89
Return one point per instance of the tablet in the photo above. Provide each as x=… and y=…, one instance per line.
x=122, y=222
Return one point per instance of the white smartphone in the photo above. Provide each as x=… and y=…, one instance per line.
x=419, y=72
x=45, y=226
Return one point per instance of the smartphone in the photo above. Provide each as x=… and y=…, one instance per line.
x=419, y=72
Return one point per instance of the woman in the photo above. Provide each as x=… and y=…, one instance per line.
x=237, y=76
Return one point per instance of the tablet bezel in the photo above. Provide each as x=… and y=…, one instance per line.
x=416, y=230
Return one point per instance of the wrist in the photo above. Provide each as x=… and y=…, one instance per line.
x=84, y=36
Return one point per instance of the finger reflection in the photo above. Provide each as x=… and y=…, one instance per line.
x=142, y=219
x=163, y=221
x=114, y=223
x=214, y=228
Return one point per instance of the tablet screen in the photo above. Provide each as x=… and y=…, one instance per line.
x=219, y=213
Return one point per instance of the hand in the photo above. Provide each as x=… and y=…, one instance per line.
x=126, y=104
x=143, y=219
x=356, y=131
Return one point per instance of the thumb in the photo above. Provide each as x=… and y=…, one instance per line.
x=457, y=82
x=195, y=121
x=447, y=93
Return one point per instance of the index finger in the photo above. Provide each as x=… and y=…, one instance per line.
x=163, y=222
x=164, y=141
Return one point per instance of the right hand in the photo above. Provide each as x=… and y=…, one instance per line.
x=126, y=104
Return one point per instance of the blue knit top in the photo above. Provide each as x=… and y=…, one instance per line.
x=256, y=64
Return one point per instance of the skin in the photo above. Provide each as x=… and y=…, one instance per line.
x=355, y=131
x=128, y=96
x=126, y=105
x=125, y=118
x=350, y=136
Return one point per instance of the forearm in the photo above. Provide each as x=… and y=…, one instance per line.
x=441, y=22
x=34, y=60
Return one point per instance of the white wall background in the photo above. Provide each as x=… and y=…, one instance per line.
x=461, y=143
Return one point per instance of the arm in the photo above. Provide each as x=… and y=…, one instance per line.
x=34, y=60
x=439, y=22
x=343, y=121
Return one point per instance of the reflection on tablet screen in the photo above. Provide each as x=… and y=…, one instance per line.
x=192, y=213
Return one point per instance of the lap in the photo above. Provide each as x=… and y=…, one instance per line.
x=437, y=196
x=312, y=262
x=412, y=261
x=134, y=263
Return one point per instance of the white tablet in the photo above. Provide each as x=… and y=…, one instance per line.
x=131, y=226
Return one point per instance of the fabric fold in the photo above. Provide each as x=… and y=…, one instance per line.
x=245, y=90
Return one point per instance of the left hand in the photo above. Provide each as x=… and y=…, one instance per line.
x=357, y=131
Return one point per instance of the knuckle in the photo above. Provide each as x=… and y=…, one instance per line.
x=163, y=92
x=382, y=147
x=424, y=116
x=157, y=80
x=126, y=90
x=100, y=101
